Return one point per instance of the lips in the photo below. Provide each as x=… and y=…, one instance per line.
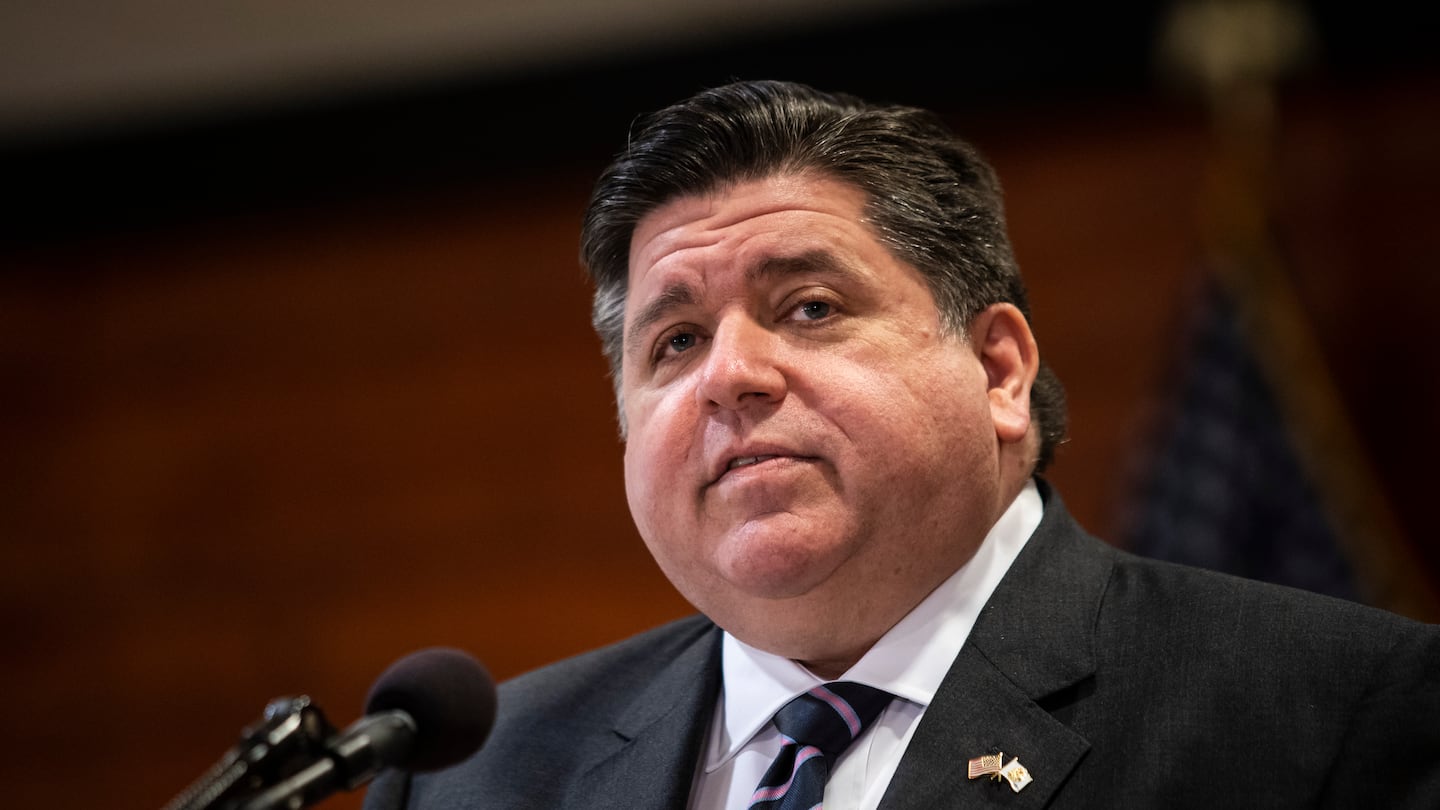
x=741, y=458
x=747, y=461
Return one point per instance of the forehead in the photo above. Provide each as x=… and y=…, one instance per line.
x=780, y=211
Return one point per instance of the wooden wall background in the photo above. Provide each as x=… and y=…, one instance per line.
x=269, y=452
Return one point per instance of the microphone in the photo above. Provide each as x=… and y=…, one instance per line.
x=447, y=696
x=429, y=710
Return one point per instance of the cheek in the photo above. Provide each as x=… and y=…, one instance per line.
x=640, y=476
x=655, y=454
x=660, y=512
x=927, y=414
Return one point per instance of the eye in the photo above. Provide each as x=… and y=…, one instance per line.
x=674, y=342
x=680, y=342
x=812, y=310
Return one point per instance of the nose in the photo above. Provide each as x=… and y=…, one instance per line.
x=741, y=368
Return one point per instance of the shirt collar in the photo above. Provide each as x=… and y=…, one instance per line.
x=909, y=661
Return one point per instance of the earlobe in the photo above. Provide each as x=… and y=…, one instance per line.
x=1011, y=359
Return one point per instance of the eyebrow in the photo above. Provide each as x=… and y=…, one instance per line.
x=680, y=294
x=671, y=298
x=811, y=261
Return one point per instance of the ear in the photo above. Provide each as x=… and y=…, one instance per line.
x=1002, y=338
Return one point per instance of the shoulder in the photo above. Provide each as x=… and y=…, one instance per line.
x=601, y=679
x=1205, y=642
x=1235, y=613
x=1146, y=604
x=1290, y=693
x=1338, y=691
x=548, y=719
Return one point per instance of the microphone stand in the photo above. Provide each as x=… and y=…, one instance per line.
x=289, y=738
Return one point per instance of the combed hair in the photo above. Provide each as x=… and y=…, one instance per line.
x=931, y=199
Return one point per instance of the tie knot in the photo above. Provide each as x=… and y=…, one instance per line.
x=830, y=717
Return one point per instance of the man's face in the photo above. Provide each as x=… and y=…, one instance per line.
x=809, y=452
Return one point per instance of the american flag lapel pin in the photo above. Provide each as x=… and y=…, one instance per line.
x=987, y=765
x=995, y=766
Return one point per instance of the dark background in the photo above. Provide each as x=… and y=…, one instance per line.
x=291, y=389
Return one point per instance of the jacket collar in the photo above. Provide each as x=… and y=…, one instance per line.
x=649, y=758
x=1033, y=642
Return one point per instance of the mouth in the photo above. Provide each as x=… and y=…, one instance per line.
x=735, y=463
x=747, y=461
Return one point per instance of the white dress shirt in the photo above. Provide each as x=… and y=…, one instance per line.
x=909, y=662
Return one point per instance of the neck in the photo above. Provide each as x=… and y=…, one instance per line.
x=831, y=669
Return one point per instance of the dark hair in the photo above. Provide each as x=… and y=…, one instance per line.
x=931, y=199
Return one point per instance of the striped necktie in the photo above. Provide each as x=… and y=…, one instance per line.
x=817, y=727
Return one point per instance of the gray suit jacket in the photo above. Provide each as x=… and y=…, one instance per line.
x=1118, y=682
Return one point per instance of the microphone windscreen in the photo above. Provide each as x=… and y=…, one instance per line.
x=450, y=697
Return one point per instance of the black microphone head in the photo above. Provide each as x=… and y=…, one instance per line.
x=450, y=697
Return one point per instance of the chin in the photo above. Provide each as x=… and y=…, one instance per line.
x=779, y=570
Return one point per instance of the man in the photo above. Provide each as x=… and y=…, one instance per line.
x=835, y=411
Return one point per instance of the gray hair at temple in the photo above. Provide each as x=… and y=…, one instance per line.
x=931, y=200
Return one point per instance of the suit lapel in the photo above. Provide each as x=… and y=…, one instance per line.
x=648, y=760
x=1033, y=641
x=978, y=711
